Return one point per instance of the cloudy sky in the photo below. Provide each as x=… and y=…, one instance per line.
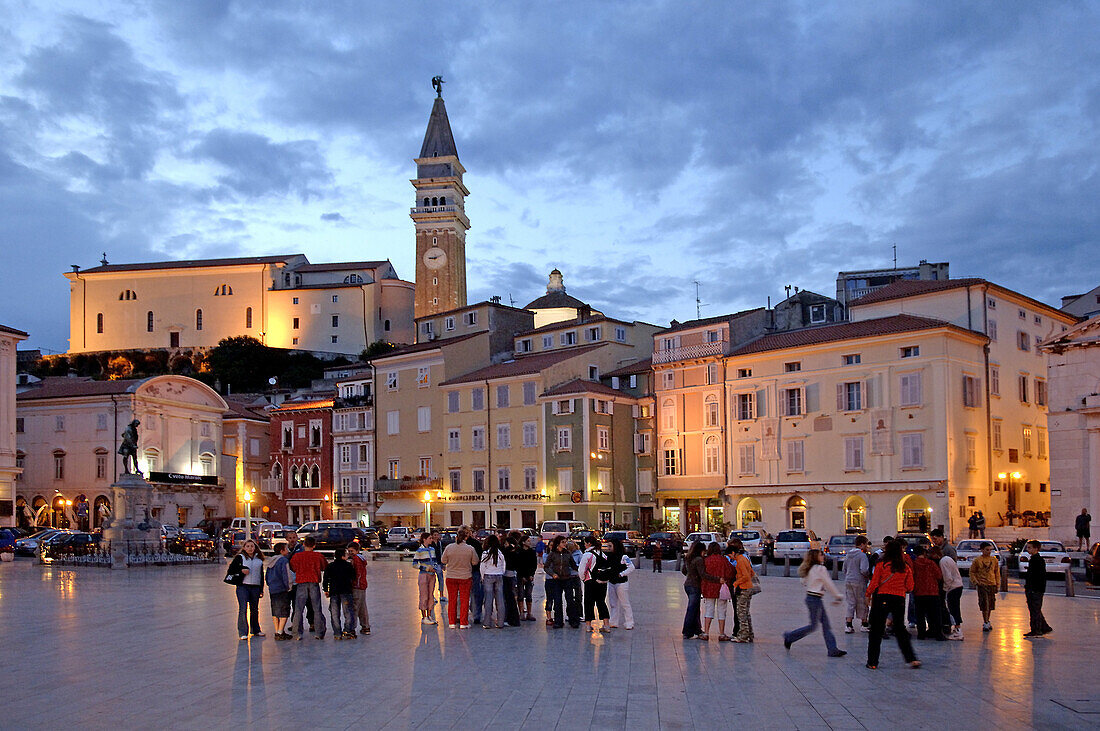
x=638, y=146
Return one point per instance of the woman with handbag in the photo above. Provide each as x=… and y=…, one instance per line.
x=246, y=572
x=745, y=584
x=890, y=582
x=716, y=591
x=692, y=569
x=815, y=577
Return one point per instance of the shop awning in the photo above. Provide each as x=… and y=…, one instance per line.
x=400, y=506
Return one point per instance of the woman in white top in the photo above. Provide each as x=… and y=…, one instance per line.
x=953, y=588
x=618, y=593
x=492, y=582
x=247, y=571
x=815, y=577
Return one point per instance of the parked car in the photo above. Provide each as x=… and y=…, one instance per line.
x=837, y=547
x=551, y=528
x=29, y=546
x=8, y=537
x=1056, y=555
x=671, y=543
x=1092, y=564
x=213, y=526
x=232, y=540
x=914, y=539
x=970, y=549
x=531, y=536
x=757, y=542
x=191, y=541
x=632, y=540
x=315, y=525
x=582, y=533
x=168, y=532
x=329, y=539
x=398, y=534
x=794, y=543
x=706, y=537
x=370, y=539
x=72, y=543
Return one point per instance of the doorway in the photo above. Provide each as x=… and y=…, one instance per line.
x=527, y=519
x=173, y=340
x=477, y=520
x=504, y=519
x=456, y=517
x=796, y=508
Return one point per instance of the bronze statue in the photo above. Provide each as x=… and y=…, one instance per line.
x=128, y=448
x=437, y=84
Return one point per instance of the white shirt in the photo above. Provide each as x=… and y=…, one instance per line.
x=488, y=568
x=255, y=566
x=588, y=562
x=952, y=579
x=818, y=582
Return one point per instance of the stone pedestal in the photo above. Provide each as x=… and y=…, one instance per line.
x=131, y=527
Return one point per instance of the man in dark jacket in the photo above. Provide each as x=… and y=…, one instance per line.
x=338, y=584
x=527, y=563
x=557, y=565
x=1081, y=524
x=1035, y=585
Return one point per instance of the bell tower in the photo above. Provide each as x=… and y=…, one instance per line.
x=439, y=215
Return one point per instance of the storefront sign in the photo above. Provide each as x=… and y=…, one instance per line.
x=473, y=498
x=519, y=496
x=178, y=478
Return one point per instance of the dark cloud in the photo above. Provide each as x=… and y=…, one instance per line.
x=334, y=216
x=256, y=166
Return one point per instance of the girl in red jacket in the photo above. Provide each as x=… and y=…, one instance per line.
x=892, y=580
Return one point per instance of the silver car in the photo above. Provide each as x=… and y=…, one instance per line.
x=753, y=540
x=706, y=538
x=970, y=549
x=795, y=542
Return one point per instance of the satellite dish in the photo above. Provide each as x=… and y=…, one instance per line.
x=273, y=380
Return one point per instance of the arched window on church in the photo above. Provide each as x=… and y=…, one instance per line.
x=426, y=203
x=198, y=319
x=149, y=321
x=435, y=201
x=442, y=200
x=248, y=318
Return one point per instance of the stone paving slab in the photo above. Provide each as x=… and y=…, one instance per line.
x=93, y=649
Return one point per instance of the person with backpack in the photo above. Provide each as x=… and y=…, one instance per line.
x=277, y=576
x=890, y=582
x=745, y=585
x=618, y=587
x=595, y=570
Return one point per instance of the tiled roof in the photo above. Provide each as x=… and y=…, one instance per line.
x=339, y=266
x=428, y=345
x=631, y=369
x=304, y=405
x=61, y=387
x=551, y=300
x=846, y=331
x=12, y=331
x=523, y=365
x=465, y=308
x=242, y=410
x=913, y=287
x=566, y=324
x=438, y=140
x=677, y=326
x=579, y=385
x=189, y=263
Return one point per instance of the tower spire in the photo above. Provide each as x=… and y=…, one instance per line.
x=438, y=140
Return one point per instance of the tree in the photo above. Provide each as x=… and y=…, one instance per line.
x=243, y=363
x=376, y=349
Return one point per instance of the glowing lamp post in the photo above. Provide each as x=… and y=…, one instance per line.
x=248, y=514
x=427, y=500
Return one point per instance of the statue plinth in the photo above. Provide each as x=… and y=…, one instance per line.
x=131, y=526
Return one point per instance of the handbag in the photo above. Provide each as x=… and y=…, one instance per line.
x=724, y=592
x=233, y=576
x=756, y=587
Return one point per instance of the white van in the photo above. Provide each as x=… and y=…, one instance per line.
x=239, y=523
x=551, y=528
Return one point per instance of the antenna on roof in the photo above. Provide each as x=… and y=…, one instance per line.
x=511, y=300
x=895, y=246
x=698, y=303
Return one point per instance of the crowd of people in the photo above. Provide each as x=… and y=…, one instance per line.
x=889, y=591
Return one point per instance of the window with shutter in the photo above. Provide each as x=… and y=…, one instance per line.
x=853, y=453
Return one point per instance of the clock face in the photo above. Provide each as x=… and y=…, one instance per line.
x=435, y=258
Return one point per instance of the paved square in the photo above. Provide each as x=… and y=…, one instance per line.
x=91, y=648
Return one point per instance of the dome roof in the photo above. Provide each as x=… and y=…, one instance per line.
x=555, y=299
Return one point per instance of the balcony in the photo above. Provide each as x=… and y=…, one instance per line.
x=385, y=484
x=347, y=402
x=687, y=352
x=433, y=209
x=271, y=485
x=354, y=498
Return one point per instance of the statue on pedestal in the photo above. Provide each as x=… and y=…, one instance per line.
x=128, y=448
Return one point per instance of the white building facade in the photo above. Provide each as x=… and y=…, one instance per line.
x=10, y=470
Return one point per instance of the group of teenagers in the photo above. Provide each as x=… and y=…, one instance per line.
x=295, y=576
x=878, y=584
x=491, y=583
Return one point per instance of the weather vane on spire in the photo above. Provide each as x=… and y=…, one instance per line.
x=437, y=84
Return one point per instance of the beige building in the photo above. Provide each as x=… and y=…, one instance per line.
x=245, y=453
x=68, y=431
x=282, y=301
x=9, y=469
x=353, y=444
x=1074, y=423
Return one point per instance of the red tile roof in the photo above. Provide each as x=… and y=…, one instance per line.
x=304, y=405
x=678, y=326
x=579, y=385
x=427, y=345
x=566, y=324
x=913, y=288
x=847, y=331
x=339, y=266
x=242, y=410
x=630, y=369
x=523, y=365
x=189, y=263
x=61, y=387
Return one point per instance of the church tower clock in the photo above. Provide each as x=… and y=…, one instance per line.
x=439, y=215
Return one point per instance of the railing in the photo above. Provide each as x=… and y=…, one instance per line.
x=433, y=209
x=355, y=497
x=858, y=292
x=140, y=553
x=272, y=485
x=342, y=402
x=690, y=351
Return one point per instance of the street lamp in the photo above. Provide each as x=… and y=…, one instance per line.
x=427, y=500
x=331, y=513
x=248, y=513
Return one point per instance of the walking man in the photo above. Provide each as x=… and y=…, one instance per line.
x=1035, y=585
x=985, y=577
x=857, y=572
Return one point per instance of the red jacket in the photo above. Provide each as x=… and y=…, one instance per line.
x=307, y=567
x=926, y=577
x=360, y=565
x=885, y=581
x=719, y=567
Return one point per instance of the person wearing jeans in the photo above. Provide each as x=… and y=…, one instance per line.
x=692, y=568
x=492, y=583
x=359, y=589
x=890, y=582
x=308, y=567
x=556, y=563
x=815, y=578
x=573, y=586
x=338, y=582
x=248, y=567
